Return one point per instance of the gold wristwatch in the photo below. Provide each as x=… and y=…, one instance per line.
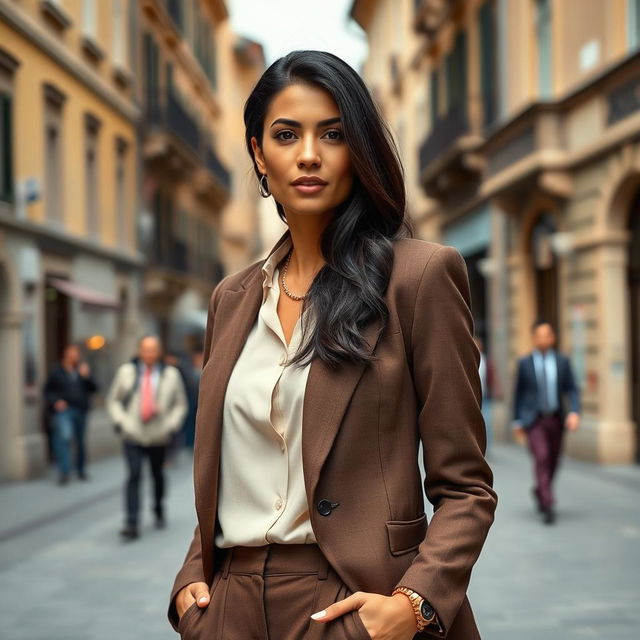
x=424, y=612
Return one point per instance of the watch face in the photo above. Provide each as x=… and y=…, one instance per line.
x=427, y=610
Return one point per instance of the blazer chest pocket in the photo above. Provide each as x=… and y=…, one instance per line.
x=406, y=535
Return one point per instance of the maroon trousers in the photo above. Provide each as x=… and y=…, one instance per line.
x=545, y=437
x=268, y=593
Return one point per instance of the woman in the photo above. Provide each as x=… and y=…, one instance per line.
x=327, y=364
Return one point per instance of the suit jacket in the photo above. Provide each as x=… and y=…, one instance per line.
x=525, y=406
x=361, y=430
x=60, y=386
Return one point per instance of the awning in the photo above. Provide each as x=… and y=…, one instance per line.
x=83, y=294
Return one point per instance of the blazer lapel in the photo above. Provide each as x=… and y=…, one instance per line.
x=326, y=399
x=327, y=394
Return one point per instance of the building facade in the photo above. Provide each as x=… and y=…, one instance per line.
x=121, y=196
x=525, y=146
x=69, y=264
x=199, y=218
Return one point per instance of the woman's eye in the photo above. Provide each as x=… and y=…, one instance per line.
x=335, y=134
x=282, y=133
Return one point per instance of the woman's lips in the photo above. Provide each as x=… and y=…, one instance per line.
x=309, y=189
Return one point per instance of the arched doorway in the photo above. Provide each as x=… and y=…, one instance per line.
x=545, y=270
x=633, y=226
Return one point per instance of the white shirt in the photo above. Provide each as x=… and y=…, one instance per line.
x=261, y=492
x=551, y=372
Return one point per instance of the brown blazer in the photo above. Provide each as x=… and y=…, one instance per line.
x=360, y=436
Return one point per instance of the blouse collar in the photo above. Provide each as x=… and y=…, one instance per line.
x=271, y=263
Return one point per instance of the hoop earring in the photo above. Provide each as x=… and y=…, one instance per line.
x=264, y=191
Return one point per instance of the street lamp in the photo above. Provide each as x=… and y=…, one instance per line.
x=562, y=243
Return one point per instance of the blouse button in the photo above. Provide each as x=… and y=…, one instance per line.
x=278, y=504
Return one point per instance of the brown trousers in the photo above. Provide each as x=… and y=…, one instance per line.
x=269, y=593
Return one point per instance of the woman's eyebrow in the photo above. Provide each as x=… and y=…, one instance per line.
x=295, y=123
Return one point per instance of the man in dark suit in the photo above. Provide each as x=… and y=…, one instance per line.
x=544, y=378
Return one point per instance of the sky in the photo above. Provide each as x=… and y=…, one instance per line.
x=281, y=26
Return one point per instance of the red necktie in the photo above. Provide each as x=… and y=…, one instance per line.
x=147, y=404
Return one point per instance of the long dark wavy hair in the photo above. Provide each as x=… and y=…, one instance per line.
x=357, y=244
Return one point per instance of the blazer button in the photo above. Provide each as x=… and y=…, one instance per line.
x=326, y=506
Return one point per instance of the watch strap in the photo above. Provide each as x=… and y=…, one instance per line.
x=416, y=601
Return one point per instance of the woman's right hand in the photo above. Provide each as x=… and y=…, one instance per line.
x=195, y=591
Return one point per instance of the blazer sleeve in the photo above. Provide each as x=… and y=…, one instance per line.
x=458, y=480
x=191, y=570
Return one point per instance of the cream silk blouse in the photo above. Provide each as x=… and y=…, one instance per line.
x=261, y=489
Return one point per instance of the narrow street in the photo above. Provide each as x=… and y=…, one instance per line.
x=65, y=575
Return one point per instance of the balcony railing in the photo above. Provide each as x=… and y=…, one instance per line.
x=180, y=123
x=176, y=120
x=177, y=256
x=216, y=167
x=443, y=134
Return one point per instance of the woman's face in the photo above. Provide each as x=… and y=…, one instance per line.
x=302, y=137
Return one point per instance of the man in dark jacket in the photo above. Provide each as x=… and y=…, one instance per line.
x=67, y=392
x=544, y=378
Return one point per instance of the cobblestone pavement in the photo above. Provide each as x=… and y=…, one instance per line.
x=65, y=575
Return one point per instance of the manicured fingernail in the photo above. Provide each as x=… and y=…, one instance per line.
x=203, y=599
x=320, y=614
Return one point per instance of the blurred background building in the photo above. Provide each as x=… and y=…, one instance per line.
x=519, y=127
x=122, y=189
x=126, y=191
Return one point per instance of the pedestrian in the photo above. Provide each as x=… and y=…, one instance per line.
x=147, y=404
x=325, y=365
x=544, y=383
x=67, y=392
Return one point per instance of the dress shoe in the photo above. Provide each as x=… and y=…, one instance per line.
x=549, y=516
x=160, y=522
x=130, y=532
x=63, y=479
x=83, y=476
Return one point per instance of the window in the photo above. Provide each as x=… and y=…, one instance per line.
x=92, y=196
x=8, y=65
x=151, y=73
x=488, y=60
x=6, y=153
x=122, y=220
x=54, y=169
x=543, y=38
x=204, y=46
x=633, y=23
x=456, y=75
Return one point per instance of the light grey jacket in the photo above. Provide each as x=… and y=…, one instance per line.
x=171, y=401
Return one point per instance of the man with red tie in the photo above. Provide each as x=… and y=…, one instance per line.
x=147, y=403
